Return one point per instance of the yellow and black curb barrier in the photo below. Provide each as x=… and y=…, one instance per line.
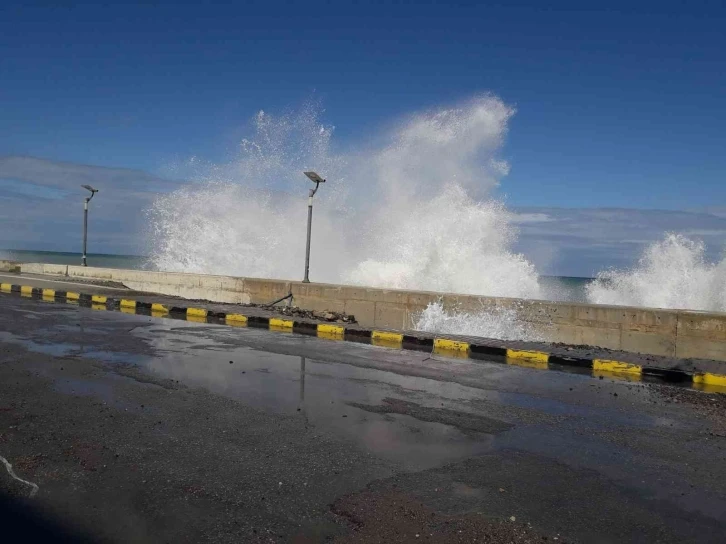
x=391, y=339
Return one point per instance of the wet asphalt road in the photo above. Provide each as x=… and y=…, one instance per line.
x=138, y=429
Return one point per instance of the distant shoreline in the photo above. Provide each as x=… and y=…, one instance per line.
x=70, y=253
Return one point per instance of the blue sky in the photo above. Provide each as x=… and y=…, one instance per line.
x=619, y=104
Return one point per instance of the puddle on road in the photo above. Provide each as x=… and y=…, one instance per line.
x=422, y=429
x=319, y=393
x=324, y=394
x=55, y=349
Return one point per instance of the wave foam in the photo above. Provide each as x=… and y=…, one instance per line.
x=672, y=273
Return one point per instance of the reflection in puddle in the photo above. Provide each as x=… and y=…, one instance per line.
x=322, y=394
x=424, y=423
x=55, y=349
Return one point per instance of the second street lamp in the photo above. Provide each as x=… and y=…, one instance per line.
x=317, y=180
x=85, y=220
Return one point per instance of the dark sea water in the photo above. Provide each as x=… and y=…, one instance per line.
x=93, y=259
x=554, y=287
x=571, y=289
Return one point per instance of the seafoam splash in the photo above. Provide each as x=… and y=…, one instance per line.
x=247, y=217
x=501, y=323
x=673, y=273
x=415, y=212
x=434, y=225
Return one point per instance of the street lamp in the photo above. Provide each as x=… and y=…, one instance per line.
x=317, y=180
x=85, y=220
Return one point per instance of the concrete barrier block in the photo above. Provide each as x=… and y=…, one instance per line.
x=465, y=303
x=208, y=282
x=413, y=313
x=265, y=291
x=543, y=312
x=199, y=293
x=31, y=268
x=598, y=314
x=230, y=283
x=91, y=272
x=579, y=335
x=352, y=293
x=648, y=342
x=547, y=332
x=600, y=325
x=386, y=295
x=333, y=293
x=700, y=348
x=320, y=304
x=702, y=326
x=653, y=321
x=562, y=332
x=9, y=266
x=415, y=298
x=308, y=290
x=390, y=315
x=363, y=310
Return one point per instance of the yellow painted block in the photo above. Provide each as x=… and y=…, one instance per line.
x=97, y=306
x=535, y=356
x=72, y=296
x=444, y=344
x=450, y=353
x=236, y=320
x=616, y=367
x=280, y=324
x=159, y=308
x=26, y=290
x=330, y=331
x=6, y=287
x=159, y=313
x=127, y=310
x=48, y=293
x=330, y=336
x=538, y=364
x=708, y=378
x=197, y=318
x=126, y=303
x=386, y=339
x=710, y=388
x=384, y=336
x=98, y=299
x=196, y=312
x=384, y=343
x=622, y=376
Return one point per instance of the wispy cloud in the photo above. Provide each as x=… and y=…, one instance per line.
x=583, y=241
x=42, y=205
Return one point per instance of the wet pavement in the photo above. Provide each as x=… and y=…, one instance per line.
x=140, y=429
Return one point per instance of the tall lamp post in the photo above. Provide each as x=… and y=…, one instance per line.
x=85, y=220
x=317, y=180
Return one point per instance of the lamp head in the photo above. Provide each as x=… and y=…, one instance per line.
x=314, y=177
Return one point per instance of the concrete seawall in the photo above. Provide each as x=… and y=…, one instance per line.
x=9, y=266
x=675, y=333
